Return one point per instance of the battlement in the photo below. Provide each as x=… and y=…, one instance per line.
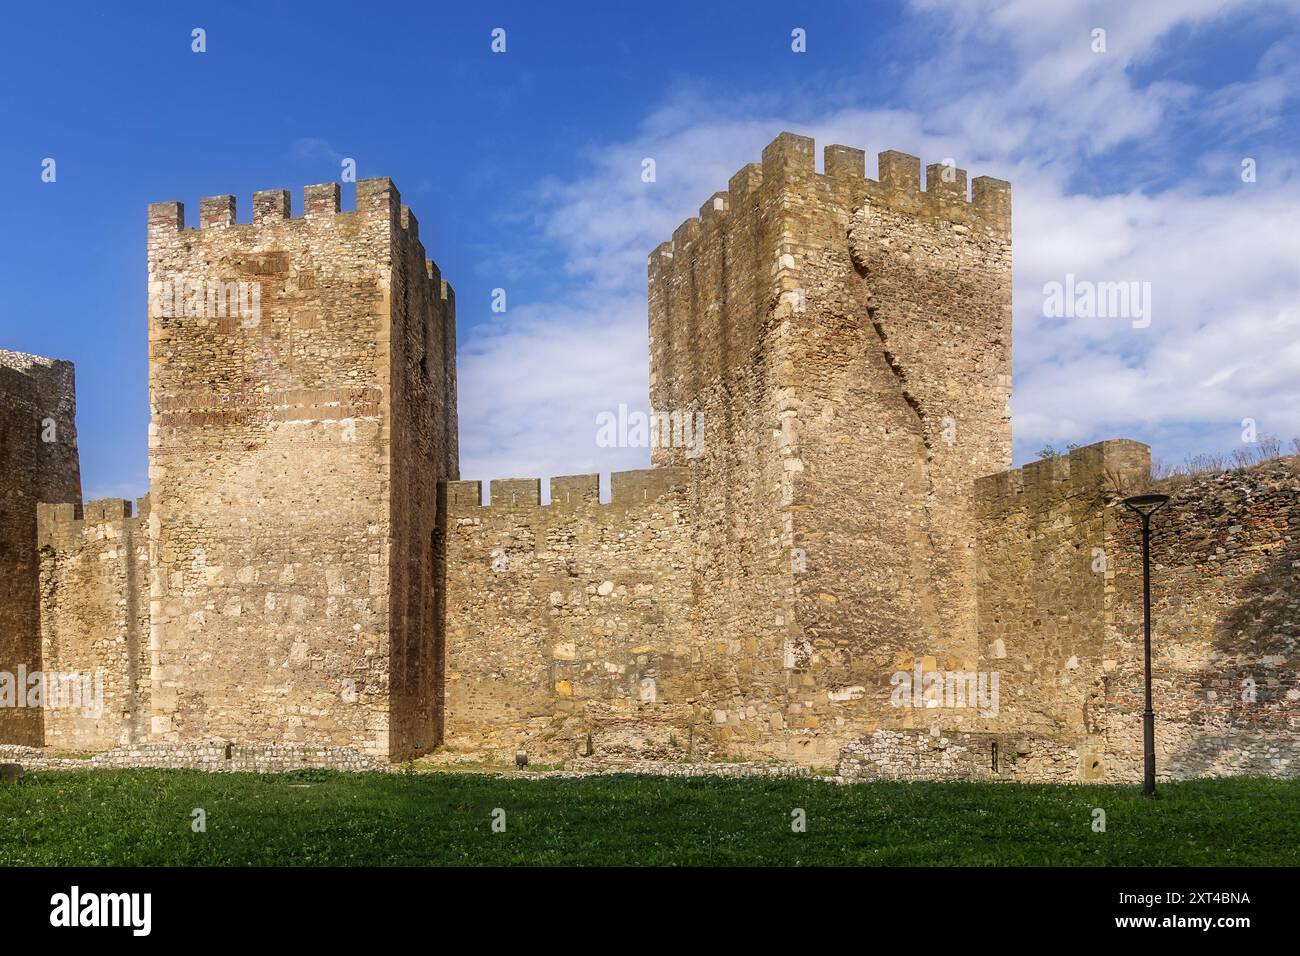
x=784, y=239
x=66, y=525
x=628, y=489
x=1117, y=464
x=790, y=159
x=376, y=198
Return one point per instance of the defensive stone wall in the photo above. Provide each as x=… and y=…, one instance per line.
x=1045, y=582
x=1225, y=585
x=1060, y=612
x=829, y=562
x=569, y=626
x=38, y=462
x=94, y=613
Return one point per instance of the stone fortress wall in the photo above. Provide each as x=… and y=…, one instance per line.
x=94, y=622
x=1226, y=645
x=38, y=462
x=569, y=625
x=847, y=529
x=1060, y=613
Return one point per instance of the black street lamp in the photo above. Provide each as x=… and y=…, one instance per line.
x=1146, y=506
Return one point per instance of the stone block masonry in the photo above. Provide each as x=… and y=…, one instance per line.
x=214, y=756
x=94, y=613
x=1060, y=613
x=1043, y=581
x=936, y=754
x=847, y=341
x=569, y=626
x=38, y=462
x=839, y=571
x=294, y=453
x=1225, y=585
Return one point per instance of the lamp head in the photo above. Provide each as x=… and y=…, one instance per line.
x=1147, y=505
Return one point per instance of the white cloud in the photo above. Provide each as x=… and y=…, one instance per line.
x=314, y=148
x=537, y=381
x=1013, y=90
x=1225, y=276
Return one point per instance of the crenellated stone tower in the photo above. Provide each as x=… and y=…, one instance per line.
x=302, y=387
x=848, y=342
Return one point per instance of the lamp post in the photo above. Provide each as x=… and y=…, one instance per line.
x=1146, y=506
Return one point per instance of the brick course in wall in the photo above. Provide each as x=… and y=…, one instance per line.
x=1225, y=585
x=1060, y=612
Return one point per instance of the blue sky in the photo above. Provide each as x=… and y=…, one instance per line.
x=524, y=169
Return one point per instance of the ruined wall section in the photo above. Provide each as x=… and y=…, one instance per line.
x=1225, y=585
x=1045, y=574
x=38, y=462
x=936, y=753
x=569, y=625
x=94, y=577
x=272, y=472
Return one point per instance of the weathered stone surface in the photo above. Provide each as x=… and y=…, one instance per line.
x=848, y=343
x=1060, y=585
x=38, y=462
x=934, y=754
x=94, y=622
x=560, y=619
x=212, y=755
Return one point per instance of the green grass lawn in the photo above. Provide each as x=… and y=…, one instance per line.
x=143, y=817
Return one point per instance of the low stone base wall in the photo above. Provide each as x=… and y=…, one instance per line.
x=218, y=756
x=929, y=755
x=668, y=768
x=1185, y=750
x=227, y=757
x=908, y=755
x=957, y=755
